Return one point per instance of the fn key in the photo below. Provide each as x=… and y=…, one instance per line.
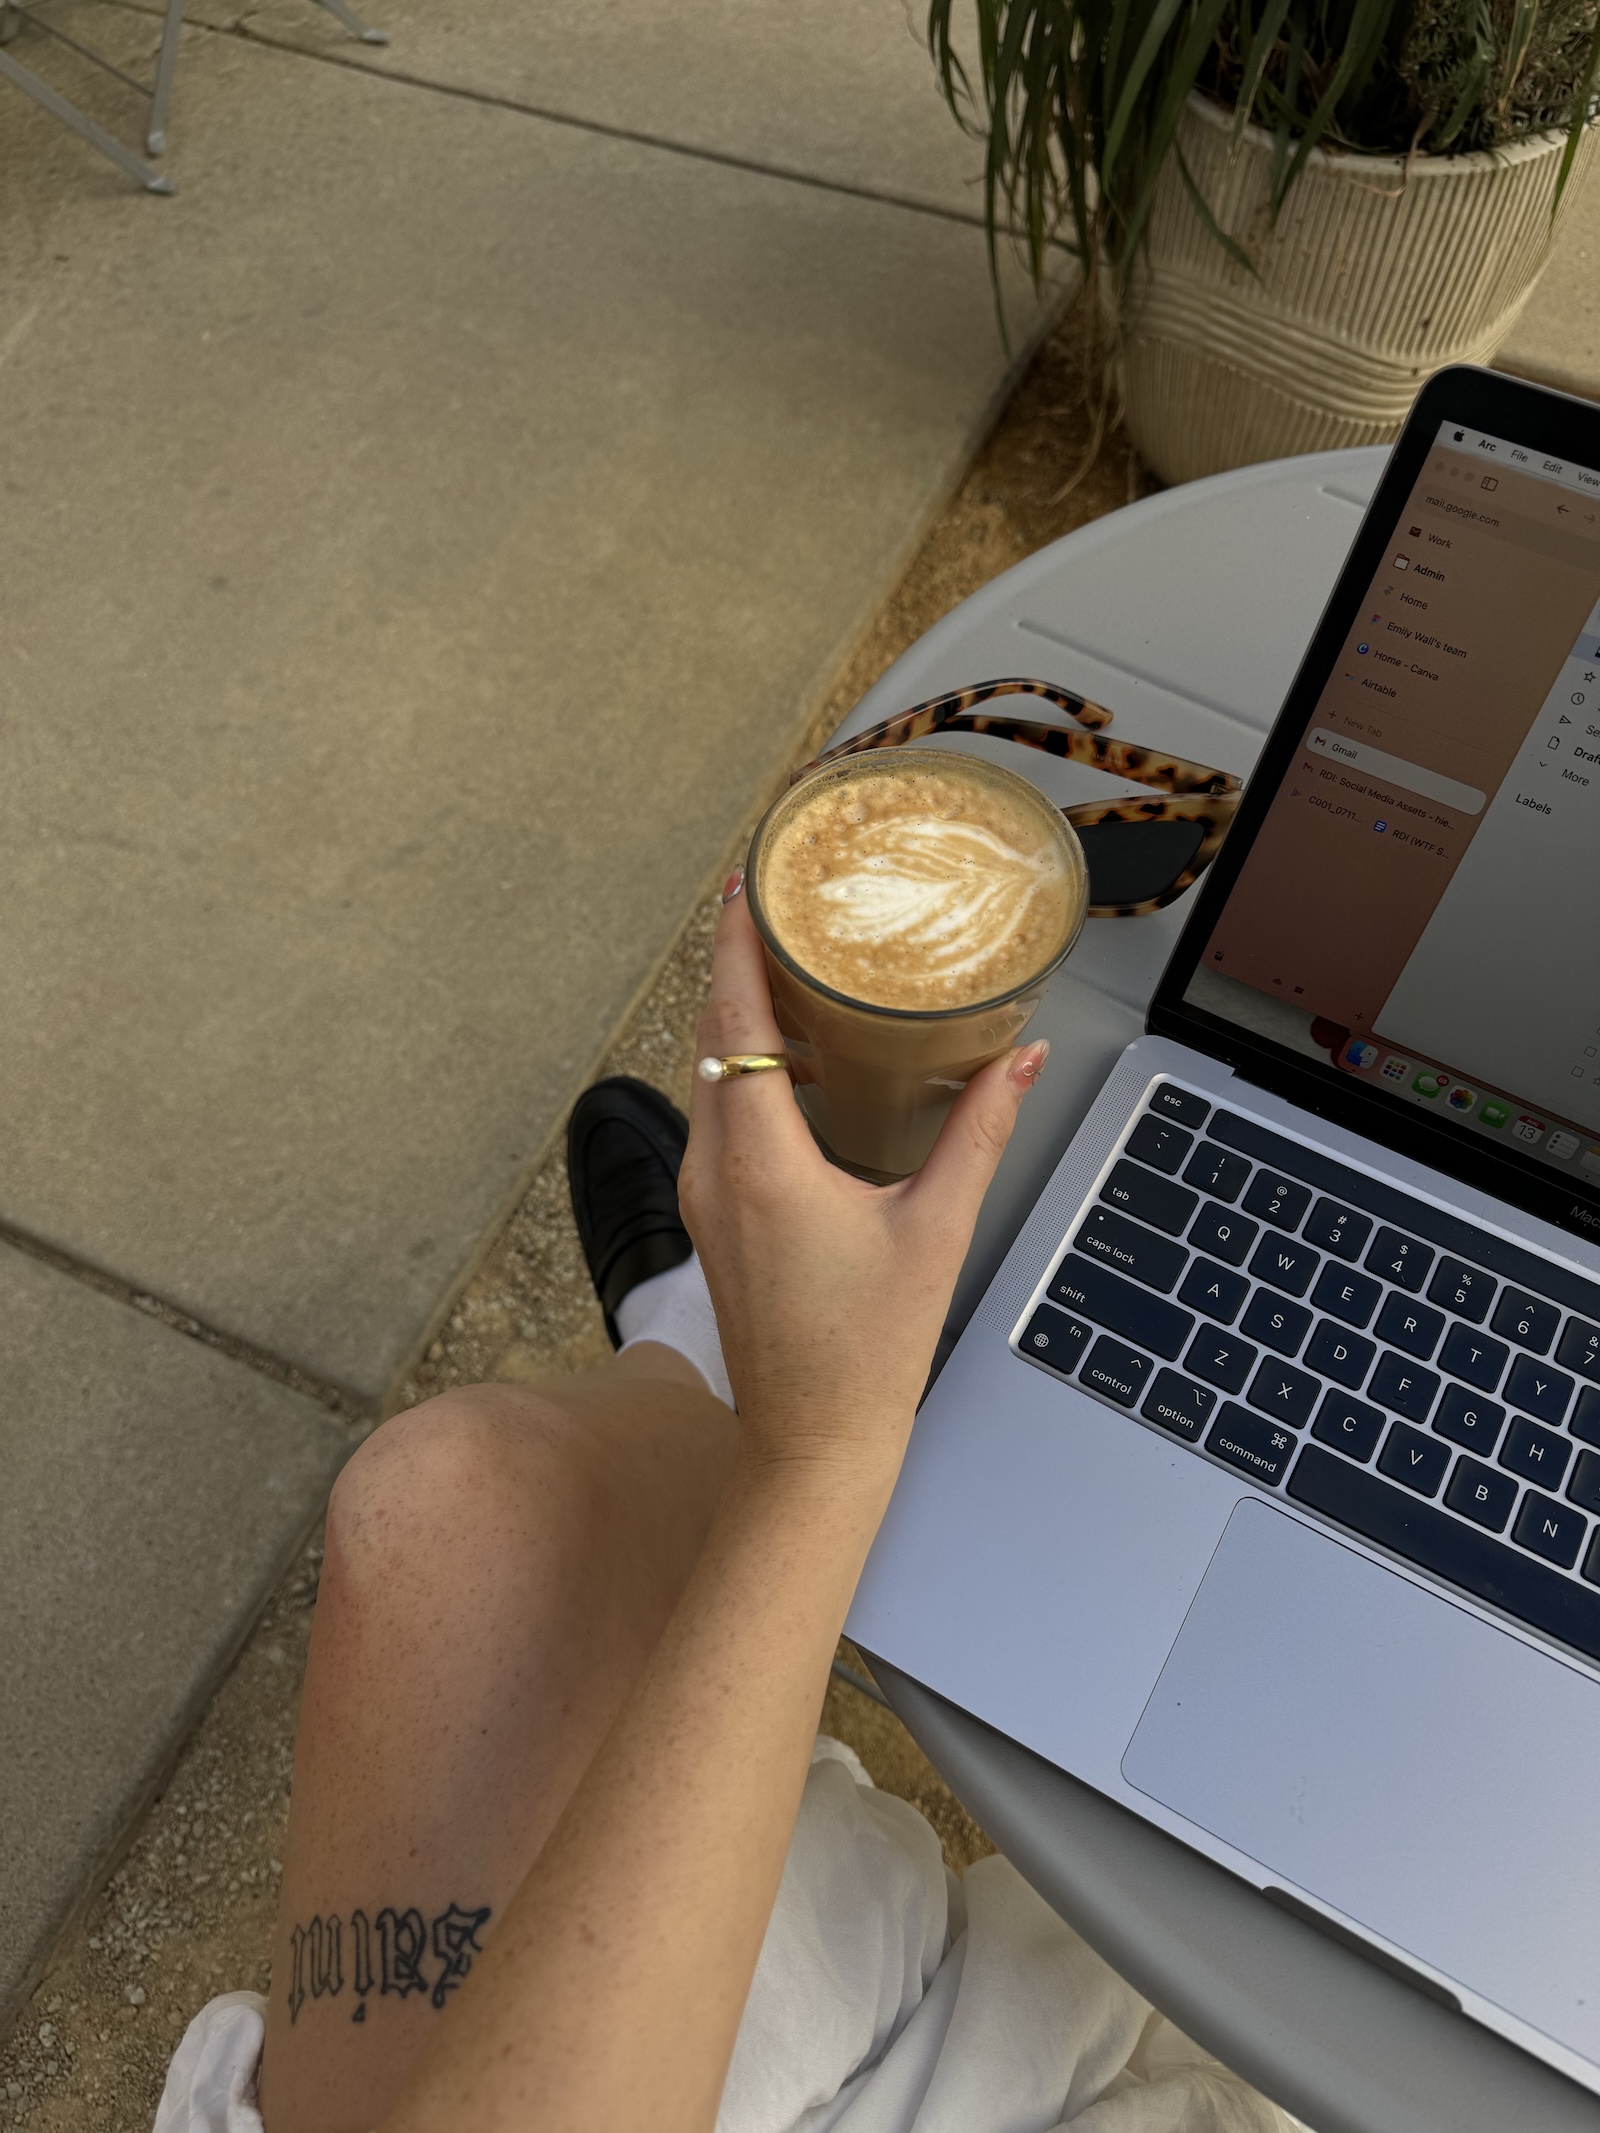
x=1053, y=1338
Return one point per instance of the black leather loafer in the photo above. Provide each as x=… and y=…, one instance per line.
x=625, y=1144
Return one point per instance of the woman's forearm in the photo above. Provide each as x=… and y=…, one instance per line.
x=612, y=1991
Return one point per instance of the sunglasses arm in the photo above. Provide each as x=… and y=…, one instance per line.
x=952, y=713
x=1082, y=743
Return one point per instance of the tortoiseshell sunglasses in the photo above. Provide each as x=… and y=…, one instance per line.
x=1141, y=853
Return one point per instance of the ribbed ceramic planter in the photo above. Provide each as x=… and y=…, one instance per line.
x=1375, y=276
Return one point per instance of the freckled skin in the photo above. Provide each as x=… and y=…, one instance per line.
x=500, y=1563
x=920, y=887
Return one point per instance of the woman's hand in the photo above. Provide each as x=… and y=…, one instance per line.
x=829, y=1292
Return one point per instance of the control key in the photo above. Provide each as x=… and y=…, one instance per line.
x=1120, y=1373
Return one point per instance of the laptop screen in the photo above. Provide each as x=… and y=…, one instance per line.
x=1421, y=904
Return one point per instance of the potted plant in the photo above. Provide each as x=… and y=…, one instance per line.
x=1288, y=212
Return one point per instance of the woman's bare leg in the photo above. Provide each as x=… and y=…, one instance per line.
x=500, y=1564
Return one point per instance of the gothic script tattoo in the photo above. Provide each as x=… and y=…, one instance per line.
x=386, y=1955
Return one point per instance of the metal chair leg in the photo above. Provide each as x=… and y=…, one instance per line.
x=86, y=129
x=343, y=12
x=161, y=93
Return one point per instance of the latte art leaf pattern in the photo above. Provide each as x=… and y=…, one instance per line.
x=953, y=892
x=926, y=885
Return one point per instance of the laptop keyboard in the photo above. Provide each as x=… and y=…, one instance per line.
x=1382, y=1362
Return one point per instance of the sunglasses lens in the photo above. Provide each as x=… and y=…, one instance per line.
x=1130, y=862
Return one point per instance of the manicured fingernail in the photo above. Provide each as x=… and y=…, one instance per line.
x=733, y=884
x=1029, y=1065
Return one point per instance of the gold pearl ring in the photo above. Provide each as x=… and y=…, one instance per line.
x=737, y=1063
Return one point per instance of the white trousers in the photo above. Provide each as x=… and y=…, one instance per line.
x=889, y=1998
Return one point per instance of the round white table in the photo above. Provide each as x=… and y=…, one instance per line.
x=1186, y=616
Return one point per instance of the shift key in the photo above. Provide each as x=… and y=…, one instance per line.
x=1115, y=1241
x=1105, y=1299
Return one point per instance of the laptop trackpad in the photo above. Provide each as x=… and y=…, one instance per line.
x=1409, y=1764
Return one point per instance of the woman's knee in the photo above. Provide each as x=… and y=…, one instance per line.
x=471, y=1484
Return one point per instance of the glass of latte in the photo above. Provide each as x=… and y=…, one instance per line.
x=913, y=907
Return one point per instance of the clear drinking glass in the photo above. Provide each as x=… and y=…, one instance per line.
x=875, y=1083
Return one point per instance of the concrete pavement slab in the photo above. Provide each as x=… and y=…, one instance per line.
x=1557, y=339
x=151, y=1492
x=842, y=90
x=427, y=535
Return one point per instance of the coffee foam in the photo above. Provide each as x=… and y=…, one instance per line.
x=924, y=884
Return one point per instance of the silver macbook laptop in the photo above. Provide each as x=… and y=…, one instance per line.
x=1262, y=1490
